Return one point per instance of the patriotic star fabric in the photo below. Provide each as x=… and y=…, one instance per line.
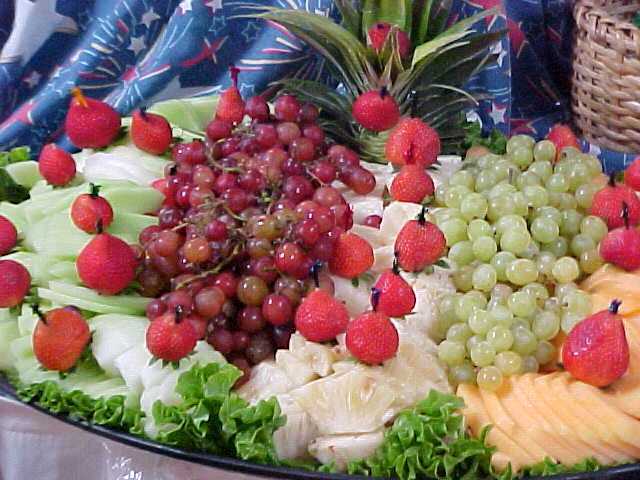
x=136, y=52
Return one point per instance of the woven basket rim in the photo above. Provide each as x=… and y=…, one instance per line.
x=583, y=9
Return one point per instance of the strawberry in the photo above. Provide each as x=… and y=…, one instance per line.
x=56, y=165
x=352, y=256
x=562, y=136
x=89, y=209
x=106, y=264
x=596, y=350
x=392, y=295
x=60, y=337
x=376, y=110
x=372, y=338
x=91, y=123
x=622, y=245
x=607, y=204
x=8, y=235
x=14, y=283
x=378, y=34
x=170, y=337
x=412, y=141
x=231, y=106
x=419, y=244
x=411, y=184
x=632, y=175
x=321, y=317
x=150, y=132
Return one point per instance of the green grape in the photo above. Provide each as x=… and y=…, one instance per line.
x=519, y=322
x=566, y=201
x=590, y=261
x=538, y=290
x=544, y=151
x=532, y=251
x=479, y=228
x=462, y=253
x=505, y=169
x=483, y=354
x=522, y=157
x=546, y=325
x=524, y=341
x=474, y=341
x=510, y=222
x=501, y=315
x=544, y=263
x=584, y=195
x=544, y=230
x=451, y=353
x=501, y=190
x=578, y=302
x=566, y=269
x=454, y=195
x=552, y=305
x=581, y=243
x=474, y=205
x=487, y=160
x=570, y=153
x=528, y=179
x=500, y=337
x=594, y=227
x=542, y=168
x=480, y=321
x=520, y=204
x=569, y=320
x=522, y=304
x=441, y=215
x=485, y=180
x=530, y=364
x=564, y=289
x=484, y=278
x=521, y=271
x=447, y=307
x=578, y=175
x=536, y=195
x=515, y=241
x=493, y=302
x=478, y=299
x=570, y=224
x=501, y=292
x=459, y=332
x=489, y=378
x=464, y=178
x=594, y=165
x=484, y=248
x=463, y=373
x=558, y=247
x=440, y=192
x=520, y=141
x=509, y=363
x=500, y=261
x=454, y=230
x=557, y=183
x=499, y=207
x=462, y=278
x=554, y=199
x=551, y=213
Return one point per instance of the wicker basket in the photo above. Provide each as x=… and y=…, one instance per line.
x=606, y=73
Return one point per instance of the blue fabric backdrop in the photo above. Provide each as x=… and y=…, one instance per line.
x=135, y=52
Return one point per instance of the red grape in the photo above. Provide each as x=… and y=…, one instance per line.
x=287, y=108
x=222, y=340
x=257, y=108
x=250, y=319
x=373, y=221
x=288, y=132
x=155, y=308
x=308, y=113
x=302, y=149
x=277, y=309
x=266, y=135
x=324, y=171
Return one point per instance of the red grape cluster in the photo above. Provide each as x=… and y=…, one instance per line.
x=249, y=219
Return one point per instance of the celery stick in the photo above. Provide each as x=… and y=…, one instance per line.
x=132, y=199
x=8, y=333
x=129, y=225
x=60, y=299
x=24, y=173
x=21, y=348
x=65, y=271
x=130, y=304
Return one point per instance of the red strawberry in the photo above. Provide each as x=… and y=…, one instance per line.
x=596, y=351
x=607, y=204
x=14, y=283
x=56, y=165
x=91, y=123
x=622, y=245
x=632, y=175
x=378, y=34
x=419, y=244
x=411, y=184
x=352, y=256
x=412, y=141
x=60, y=337
x=231, y=106
x=376, y=110
x=392, y=295
x=171, y=337
x=320, y=317
x=90, y=209
x=150, y=132
x=372, y=338
x=8, y=235
x=562, y=136
x=106, y=264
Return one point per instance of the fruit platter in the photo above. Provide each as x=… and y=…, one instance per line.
x=330, y=282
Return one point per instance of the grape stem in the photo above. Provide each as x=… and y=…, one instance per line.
x=212, y=271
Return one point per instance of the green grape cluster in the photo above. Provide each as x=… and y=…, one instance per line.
x=519, y=237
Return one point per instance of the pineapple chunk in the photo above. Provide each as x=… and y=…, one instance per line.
x=318, y=357
x=291, y=440
x=267, y=380
x=342, y=449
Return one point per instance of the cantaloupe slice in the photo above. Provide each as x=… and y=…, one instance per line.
x=508, y=452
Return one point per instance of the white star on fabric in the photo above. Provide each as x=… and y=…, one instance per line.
x=214, y=5
x=251, y=31
x=185, y=5
x=33, y=79
x=497, y=113
x=150, y=16
x=137, y=45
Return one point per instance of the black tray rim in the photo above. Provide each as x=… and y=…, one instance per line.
x=622, y=472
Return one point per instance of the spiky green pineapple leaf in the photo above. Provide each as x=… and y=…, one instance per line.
x=395, y=12
x=420, y=26
x=438, y=16
x=322, y=95
x=431, y=47
x=351, y=18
